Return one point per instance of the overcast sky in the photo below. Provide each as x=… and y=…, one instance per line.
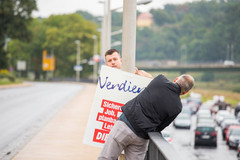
x=49, y=7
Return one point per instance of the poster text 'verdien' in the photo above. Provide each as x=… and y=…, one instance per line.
x=125, y=86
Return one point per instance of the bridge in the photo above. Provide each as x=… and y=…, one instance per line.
x=192, y=68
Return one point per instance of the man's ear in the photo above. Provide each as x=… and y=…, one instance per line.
x=176, y=79
x=185, y=92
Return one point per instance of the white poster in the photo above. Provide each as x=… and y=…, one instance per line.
x=21, y=65
x=114, y=89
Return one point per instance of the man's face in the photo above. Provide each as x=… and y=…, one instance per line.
x=114, y=60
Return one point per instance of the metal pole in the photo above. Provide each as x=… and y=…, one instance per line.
x=103, y=31
x=232, y=47
x=129, y=36
x=108, y=25
x=95, y=63
x=78, y=60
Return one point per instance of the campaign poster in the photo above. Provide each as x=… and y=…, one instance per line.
x=115, y=87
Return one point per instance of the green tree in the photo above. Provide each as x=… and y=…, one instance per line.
x=15, y=15
x=61, y=34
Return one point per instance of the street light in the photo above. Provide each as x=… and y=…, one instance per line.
x=78, y=68
x=129, y=34
x=95, y=57
x=140, y=2
x=106, y=24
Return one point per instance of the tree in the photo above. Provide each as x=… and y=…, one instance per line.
x=15, y=15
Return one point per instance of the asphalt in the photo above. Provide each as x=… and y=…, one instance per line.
x=62, y=137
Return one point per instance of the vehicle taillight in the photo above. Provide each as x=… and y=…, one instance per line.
x=214, y=133
x=197, y=133
x=225, y=130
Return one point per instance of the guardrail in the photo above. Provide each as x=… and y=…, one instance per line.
x=160, y=149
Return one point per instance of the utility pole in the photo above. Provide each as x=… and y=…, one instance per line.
x=78, y=60
x=95, y=62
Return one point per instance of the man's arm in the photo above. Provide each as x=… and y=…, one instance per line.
x=166, y=122
x=143, y=73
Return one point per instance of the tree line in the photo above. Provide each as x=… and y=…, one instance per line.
x=204, y=31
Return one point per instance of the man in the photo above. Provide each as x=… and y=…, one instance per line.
x=151, y=111
x=113, y=59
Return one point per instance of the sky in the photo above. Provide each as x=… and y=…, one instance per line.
x=49, y=7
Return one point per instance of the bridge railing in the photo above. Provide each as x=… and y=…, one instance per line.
x=160, y=149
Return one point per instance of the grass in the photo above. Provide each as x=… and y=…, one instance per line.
x=229, y=97
x=6, y=81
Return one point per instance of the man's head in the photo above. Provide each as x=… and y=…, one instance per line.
x=113, y=58
x=186, y=82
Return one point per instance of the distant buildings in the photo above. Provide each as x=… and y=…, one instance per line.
x=144, y=20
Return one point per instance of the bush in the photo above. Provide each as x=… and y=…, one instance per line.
x=207, y=77
x=237, y=89
x=5, y=74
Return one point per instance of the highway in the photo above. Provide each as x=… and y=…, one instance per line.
x=183, y=142
x=24, y=110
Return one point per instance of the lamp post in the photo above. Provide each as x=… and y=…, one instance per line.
x=106, y=26
x=78, y=61
x=129, y=34
x=95, y=59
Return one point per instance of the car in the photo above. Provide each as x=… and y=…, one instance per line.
x=206, y=120
x=205, y=134
x=228, y=117
x=238, y=116
x=220, y=115
x=234, y=138
x=182, y=121
x=238, y=154
x=203, y=116
x=237, y=109
x=226, y=124
x=228, y=63
x=186, y=109
x=229, y=130
x=202, y=111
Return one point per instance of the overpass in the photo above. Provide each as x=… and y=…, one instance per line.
x=192, y=68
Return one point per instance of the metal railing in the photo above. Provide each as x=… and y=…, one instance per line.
x=160, y=149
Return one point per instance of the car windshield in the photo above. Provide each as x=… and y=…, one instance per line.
x=205, y=129
x=235, y=132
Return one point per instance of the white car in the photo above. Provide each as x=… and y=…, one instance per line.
x=220, y=115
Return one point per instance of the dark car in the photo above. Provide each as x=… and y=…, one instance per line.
x=205, y=134
x=237, y=109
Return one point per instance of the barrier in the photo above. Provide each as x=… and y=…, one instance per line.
x=160, y=149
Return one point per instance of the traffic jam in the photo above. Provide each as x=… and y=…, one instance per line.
x=207, y=124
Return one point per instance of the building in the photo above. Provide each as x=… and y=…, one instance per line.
x=144, y=20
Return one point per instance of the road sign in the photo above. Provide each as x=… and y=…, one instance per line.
x=48, y=62
x=78, y=68
x=21, y=65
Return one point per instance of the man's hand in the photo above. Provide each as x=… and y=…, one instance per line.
x=143, y=73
